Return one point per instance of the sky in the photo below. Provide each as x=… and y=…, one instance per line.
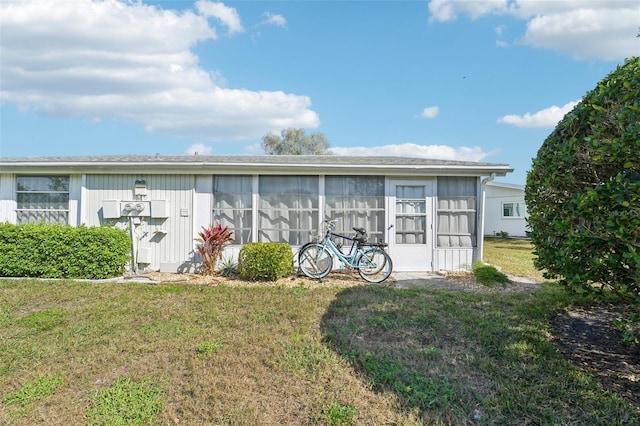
x=483, y=80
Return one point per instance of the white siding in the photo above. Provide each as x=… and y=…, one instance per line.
x=7, y=198
x=75, y=194
x=454, y=259
x=494, y=222
x=173, y=249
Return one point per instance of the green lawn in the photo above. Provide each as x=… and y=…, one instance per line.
x=512, y=256
x=107, y=353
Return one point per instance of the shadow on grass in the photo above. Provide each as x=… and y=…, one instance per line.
x=457, y=358
x=410, y=353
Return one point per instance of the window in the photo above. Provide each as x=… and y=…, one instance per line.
x=457, y=211
x=232, y=205
x=356, y=201
x=288, y=208
x=513, y=210
x=43, y=199
x=411, y=215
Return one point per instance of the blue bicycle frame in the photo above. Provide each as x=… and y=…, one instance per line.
x=315, y=259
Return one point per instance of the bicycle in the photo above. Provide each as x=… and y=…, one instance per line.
x=315, y=259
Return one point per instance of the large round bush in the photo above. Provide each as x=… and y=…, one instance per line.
x=583, y=191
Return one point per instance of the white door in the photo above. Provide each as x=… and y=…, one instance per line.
x=411, y=237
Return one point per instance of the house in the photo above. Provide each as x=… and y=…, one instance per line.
x=505, y=210
x=429, y=211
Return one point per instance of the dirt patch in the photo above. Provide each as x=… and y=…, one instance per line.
x=336, y=279
x=468, y=282
x=589, y=340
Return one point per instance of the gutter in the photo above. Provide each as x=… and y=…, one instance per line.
x=208, y=167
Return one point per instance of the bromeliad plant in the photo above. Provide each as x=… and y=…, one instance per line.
x=210, y=241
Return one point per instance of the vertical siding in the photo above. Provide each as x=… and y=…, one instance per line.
x=455, y=259
x=7, y=198
x=176, y=246
x=75, y=194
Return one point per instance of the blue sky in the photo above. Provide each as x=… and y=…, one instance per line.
x=483, y=80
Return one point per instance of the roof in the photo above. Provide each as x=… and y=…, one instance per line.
x=289, y=164
x=506, y=185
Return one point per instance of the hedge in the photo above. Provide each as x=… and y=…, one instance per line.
x=59, y=251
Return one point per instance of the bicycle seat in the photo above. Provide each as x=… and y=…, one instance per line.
x=360, y=230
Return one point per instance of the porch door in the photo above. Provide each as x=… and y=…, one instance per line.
x=411, y=238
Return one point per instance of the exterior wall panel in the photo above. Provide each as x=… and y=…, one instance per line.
x=8, y=198
x=170, y=239
x=494, y=222
x=455, y=259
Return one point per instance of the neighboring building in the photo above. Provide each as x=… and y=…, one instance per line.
x=505, y=210
x=429, y=211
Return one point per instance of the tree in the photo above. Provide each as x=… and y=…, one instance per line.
x=295, y=142
x=583, y=191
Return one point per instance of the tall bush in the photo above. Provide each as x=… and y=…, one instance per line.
x=58, y=251
x=583, y=191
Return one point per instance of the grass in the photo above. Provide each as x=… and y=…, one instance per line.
x=489, y=275
x=513, y=256
x=125, y=403
x=109, y=353
x=34, y=390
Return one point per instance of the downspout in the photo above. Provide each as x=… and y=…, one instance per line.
x=480, y=236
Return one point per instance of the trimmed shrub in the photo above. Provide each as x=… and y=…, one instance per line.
x=60, y=251
x=583, y=192
x=265, y=261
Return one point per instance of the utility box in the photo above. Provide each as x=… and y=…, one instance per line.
x=110, y=209
x=144, y=255
x=159, y=209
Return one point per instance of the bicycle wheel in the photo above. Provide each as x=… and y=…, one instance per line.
x=314, y=261
x=375, y=265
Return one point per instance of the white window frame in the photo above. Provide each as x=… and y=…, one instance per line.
x=299, y=235
x=232, y=210
x=46, y=210
x=523, y=210
x=421, y=214
x=350, y=214
x=471, y=212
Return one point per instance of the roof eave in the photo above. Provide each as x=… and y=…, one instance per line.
x=207, y=167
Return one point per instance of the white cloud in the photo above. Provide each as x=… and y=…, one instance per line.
x=274, y=19
x=449, y=10
x=434, y=152
x=199, y=149
x=606, y=34
x=227, y=15
x=79, y=58
x=430, y=112
x=597, y=29
x=545, y=118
